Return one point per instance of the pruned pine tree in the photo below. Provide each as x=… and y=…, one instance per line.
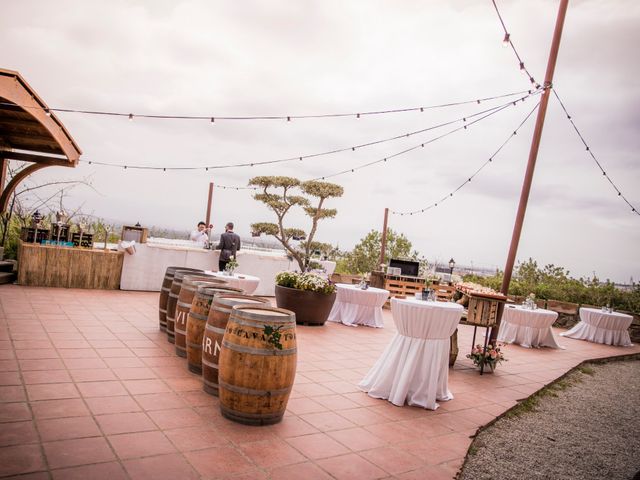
x=281, y=194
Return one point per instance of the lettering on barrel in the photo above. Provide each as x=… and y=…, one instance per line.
x=242, y=333
x=207, y=347
x=180, y=317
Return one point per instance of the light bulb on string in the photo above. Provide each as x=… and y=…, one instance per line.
x=48, y=112
x=506, y=40
x=131, y=117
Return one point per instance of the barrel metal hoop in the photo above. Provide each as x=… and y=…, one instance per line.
x=259, y=351
x=178, y=330
x=197, y=316
x=251, y=391
x=210, y=364
x=211, y=328
x=163, y=311
x=259, y=324
x=194, y=345
x=184, y=305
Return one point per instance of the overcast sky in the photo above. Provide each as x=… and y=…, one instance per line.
x=225, y=58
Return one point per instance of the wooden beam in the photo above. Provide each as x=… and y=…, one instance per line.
x=15, y=181
x=3, y=171
x=29, y=157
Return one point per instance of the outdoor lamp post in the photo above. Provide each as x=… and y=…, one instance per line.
x=452, y=263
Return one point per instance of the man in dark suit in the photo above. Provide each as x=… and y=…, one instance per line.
x=228, y=246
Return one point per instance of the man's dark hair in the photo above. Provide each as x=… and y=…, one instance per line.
x=230, y=225
x=202, y=223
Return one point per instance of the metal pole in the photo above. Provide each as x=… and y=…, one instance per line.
x=384, y=237
x=533, y=154
x=208, y=216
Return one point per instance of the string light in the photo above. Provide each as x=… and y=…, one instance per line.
x=468, y=180
x=450, y=132
x=212, y=118
x=584, y=142
x=131, y=117
x=329, y=152
x=506, y=42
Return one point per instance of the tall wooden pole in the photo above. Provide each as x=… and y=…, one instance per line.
x=533, y=152
x=384, y=237
x=208, y=217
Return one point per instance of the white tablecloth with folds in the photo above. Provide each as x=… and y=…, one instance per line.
x=248, y=283
x=529, y=328
x=415, y=365
x=145, y=269
x=600, y=327
x=354, y=306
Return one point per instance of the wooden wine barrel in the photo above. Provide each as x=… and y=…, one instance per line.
x=172, y=300
x=183, y=306
x=256, y=377
x=196, y=321
x=214, y=331
x=164, y=294
x=453, y=348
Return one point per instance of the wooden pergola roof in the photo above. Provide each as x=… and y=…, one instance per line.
x=30, y=133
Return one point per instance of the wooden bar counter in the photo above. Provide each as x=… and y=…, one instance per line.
x=51, y=266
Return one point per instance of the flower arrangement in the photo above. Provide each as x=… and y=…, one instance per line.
x=231, y=265
x=492, y=356
x=310, y=282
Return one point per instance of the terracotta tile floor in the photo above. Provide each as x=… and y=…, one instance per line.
x=89, y=388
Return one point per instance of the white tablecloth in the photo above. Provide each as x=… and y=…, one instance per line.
x=529, y=328
x=354, y=306
x=599, y=327
x=248, y=283
x=145, y=269
x=415, y=365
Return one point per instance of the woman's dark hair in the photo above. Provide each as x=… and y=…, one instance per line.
x=202, y=223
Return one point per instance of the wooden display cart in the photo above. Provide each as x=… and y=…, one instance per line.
x=397, y=285
x=52, y=266
x=484, y=310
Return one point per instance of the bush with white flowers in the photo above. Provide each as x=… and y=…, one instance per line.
x=309, y=282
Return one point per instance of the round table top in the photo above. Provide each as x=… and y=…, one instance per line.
x=427, y=304
x=538, y=311
x=248, y=283
x=600, y=312
x=370, y=290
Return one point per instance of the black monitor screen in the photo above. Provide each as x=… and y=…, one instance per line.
x=408, y=267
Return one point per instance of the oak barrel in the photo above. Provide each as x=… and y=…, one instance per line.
x=172, y=300
x=214, y=331
x=256, y=375
x=196, y=321
x=453, y=348
x=164, y=294
x=183, y=306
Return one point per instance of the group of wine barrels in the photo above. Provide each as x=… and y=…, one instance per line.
x=244, y=348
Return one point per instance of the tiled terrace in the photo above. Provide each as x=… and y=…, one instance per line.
x=89, y=388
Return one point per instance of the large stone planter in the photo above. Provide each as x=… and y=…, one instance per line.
x=311, y=308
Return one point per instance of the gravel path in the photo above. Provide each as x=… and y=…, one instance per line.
x=587, y=427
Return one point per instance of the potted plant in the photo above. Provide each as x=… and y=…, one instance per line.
x=308, y=295
x=490, y=356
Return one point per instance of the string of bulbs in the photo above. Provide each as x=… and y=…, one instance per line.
x=591, y=154
x=506, y=42
x=463, y=119
x=421, y=145
x=471, y=177
x=288, y=118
